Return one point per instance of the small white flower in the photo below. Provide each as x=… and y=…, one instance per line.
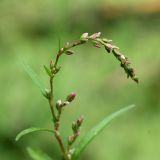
x=65, y=103
x=123, y=57
x=84, y=35
x=59, y=102
x=95, y=35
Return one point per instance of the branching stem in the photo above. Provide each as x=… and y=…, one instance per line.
x=54, y=69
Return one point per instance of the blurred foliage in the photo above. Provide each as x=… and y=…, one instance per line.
x=31, y=29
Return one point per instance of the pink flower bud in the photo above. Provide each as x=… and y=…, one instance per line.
x=109, y=47
x=51, y=64
x=84, y=35
x=71, y=97
x=69, y=52
x=95, y=35
x=59, y=104
x=79, y=121
x=97, y=45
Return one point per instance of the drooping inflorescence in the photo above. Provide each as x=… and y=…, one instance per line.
x=110, y=48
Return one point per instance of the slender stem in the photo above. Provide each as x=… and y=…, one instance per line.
x=58, y=137
x=51, y=102
x=62, y=50
x=57, y=58
x=55, y=120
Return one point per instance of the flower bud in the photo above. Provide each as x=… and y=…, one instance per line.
x=109, y=47
x=122, y=57
x=71, y=97
x=65, y=103
x=79, y=121
x=51, y=64
x=56, y=70
x=70, y=139
x=67, y=44
x=95, y=35
x=62, y=49
x=84, y=37
x=59, y=104
x=74, y=127
x=97, y=45
x=69, y=52
x=106, y=40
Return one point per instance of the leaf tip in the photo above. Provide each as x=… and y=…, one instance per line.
x=16, y=138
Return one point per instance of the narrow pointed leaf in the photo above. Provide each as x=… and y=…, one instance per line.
x=47, y=70
x=34, y=76
x=37, y=155
x=31, y=130
x=96, y=130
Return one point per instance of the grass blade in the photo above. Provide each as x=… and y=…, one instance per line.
x=34, y=76
x=31, y=130
x=37, y=155
x=96, y=130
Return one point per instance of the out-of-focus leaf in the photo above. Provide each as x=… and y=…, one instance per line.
x=34, y=76
x=37, y=155
x=31, y=130
x=96, y=130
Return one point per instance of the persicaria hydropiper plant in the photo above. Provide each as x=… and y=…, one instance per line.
x=68, y=151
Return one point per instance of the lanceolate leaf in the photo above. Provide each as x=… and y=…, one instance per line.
x=34, y=76
x=96, y=130
x=47, y=70
x=37, y=155
x=31, y=130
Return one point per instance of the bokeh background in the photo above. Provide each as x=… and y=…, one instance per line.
x=31, y=29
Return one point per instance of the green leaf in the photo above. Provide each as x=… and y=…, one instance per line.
x=34, y=76
x=30, y=130
x=37, y=155
x=48, y=71
x=96, y=130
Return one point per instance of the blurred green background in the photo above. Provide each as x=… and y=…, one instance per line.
x=32, y=28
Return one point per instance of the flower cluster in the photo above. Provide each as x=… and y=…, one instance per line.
x=110, y=48
x=76, y=131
